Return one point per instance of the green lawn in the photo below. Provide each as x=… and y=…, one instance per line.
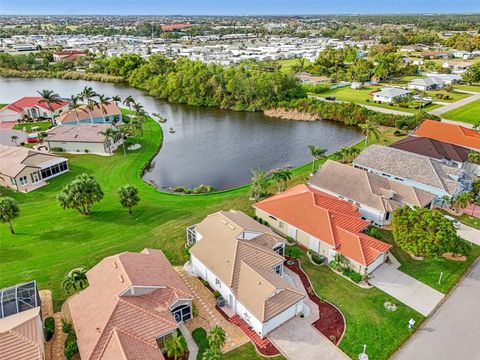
x=247, y=352
x=467, y=220
x=286, y=64
x=368, y=322
x=361, y=97
x=475, y=87
x=469, y=113
x=43, y=125
x=428, y=270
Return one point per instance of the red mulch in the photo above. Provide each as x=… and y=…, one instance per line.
x=184, y=357
x=264, y=346
x=330, y=323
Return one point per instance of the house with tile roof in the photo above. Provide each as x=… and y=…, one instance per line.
x=390, y=94
x=324, y=224
x=21, y=326
x=133, y=304
x=23, y=169
x=377, y=197
x=31, y=107
x=450, y=133
x=108, y=114
x=421, y=172
x=243, y=260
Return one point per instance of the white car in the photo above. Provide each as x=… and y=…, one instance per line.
x=428, y=98
x=456, y=223
x=417, y=97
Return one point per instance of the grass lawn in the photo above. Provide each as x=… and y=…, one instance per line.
x=474, y=87
x=428, y=270
x=247, y=352
x=43, y=125
x=368, y=322
x=361, y=97
x=468, y=220
x=286, y=64
x=469, y=113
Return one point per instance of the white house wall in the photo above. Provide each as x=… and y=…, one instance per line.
x=378, y=261
x=279, y=319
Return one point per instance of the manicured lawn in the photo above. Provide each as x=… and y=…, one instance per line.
x=475, y=87
x=469, y=113
x=361, y=96
x=367, y=320
x=247, y=352
x=428, y=270
x=43, y=125
x=468, y=220
x=286, y=64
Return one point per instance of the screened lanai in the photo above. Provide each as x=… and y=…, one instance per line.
x=18, y=298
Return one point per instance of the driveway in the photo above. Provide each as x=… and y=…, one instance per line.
x=406, y=289
x=7, y=133
x=468, y=233
x=297, y=339
x=453, y=332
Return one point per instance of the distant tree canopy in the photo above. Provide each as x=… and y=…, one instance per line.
x=425, y=232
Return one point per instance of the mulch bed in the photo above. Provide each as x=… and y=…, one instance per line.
x=184, y=357
x=330, y=323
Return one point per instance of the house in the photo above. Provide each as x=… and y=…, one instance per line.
x=434, y=55
x=450, y=133
x=23, y=169
x=390, y=95
x=449, y=154
x=356, y=85
x=457, y=67
x=375, y=196
x=426, y=84
x=82, y=138
x=31, y=107
x=307, y=78
x=415, y=170
x=133, y=304
x=460, y=54
x=68, y=55
x=324, y=224
x=243, y=260
x=21, y=326
x=109, y=114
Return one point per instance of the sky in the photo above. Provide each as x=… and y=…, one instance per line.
x=230, y=7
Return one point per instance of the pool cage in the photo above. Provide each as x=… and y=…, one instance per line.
x=18, y=298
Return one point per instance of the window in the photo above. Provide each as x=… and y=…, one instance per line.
x=35, y=177
x=217, y=282
x=182, y=313
x=14, y=182
x=279, y=250
x=162, y=340
x=281, y=224
x=23, y=181
x=278, y=269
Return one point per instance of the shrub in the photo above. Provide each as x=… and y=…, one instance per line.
x=71, y=347
x=290, y=239
x=355, y=276
x=49, y=328
x=200, y=337
x=205, y=282
x=57, y=149
x=86, y=151
x=66, y=327
x=217, y=294
x=368, y=100
x=317, y=259
x=397, y=133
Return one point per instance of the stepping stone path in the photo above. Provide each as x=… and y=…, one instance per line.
x=208, y=316
x=55, y=347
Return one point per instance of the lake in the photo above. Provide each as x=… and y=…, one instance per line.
x=210, y=146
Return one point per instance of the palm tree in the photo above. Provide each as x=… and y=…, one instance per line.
x=79, y=277
x=8, y=211
x=69, y=283
x=101, y=103
x=370, y=128
x=212, y=354
x=128, y=102
x=139, y=114
x=260, y=182
x=88, y=97
x=445, y=200
x=111, y=134
x=474, y=157
x=317, y=154
x=14, y=139
x=353, y=152
x=281, y=177
x=116, y=99
x=216, y=337
x=48, y=97
x=75, y=105
x=128, y=197
x=176, y=346
x=463, y=200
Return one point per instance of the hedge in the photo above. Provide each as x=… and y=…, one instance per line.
x=201, y=338
x=49, y=328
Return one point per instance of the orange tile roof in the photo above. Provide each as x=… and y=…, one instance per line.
x=449, y=133
x=333, y=221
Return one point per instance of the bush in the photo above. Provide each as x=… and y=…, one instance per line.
x=217, y=294
x=200, y=337
x=205, y=282
x=355, y=276
x=57, y=149
x=49, y=328
x=71, y=347
x=290, y=239
x=397, y=133
x=86, y=151
x=318, y=259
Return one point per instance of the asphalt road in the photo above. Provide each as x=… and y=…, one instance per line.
x=453, y=332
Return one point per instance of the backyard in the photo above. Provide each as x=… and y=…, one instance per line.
x=469, y=113
x=367, y=320
x=428, y=270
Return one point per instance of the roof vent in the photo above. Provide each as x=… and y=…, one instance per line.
x=258, y=282
x=224, y=222
x=231, y=227
x=121, y=278
x=115, y=265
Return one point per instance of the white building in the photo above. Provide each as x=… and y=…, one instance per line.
x=389, y=95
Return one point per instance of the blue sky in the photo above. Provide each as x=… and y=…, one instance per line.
x=227, y=7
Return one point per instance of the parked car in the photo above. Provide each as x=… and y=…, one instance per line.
x=428, y=98
x=417, y=97
x=330, y=98
x=32, y=138
x=456, y=223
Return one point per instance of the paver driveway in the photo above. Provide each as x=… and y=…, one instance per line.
x=406, y=289
x=468, y=233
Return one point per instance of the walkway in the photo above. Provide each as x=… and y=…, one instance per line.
x=191, y=344
x=455, y=105
x=469, y=233
x=452, y=333
x=298, y=339
x=406, y=289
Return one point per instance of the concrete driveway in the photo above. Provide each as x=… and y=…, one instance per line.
x=468, y=233
x=453, y=332
x=6, y=136
x=406, y=289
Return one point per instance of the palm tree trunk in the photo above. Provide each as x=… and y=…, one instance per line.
x=313, y=165
x=90, y=114
x=366, y=139
x=11, y=226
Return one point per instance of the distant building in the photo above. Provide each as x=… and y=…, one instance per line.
x=70, y=55
x=390, y=95
x=23, y=169
x=31, y=107
x=21, y=326
x=426, y=84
